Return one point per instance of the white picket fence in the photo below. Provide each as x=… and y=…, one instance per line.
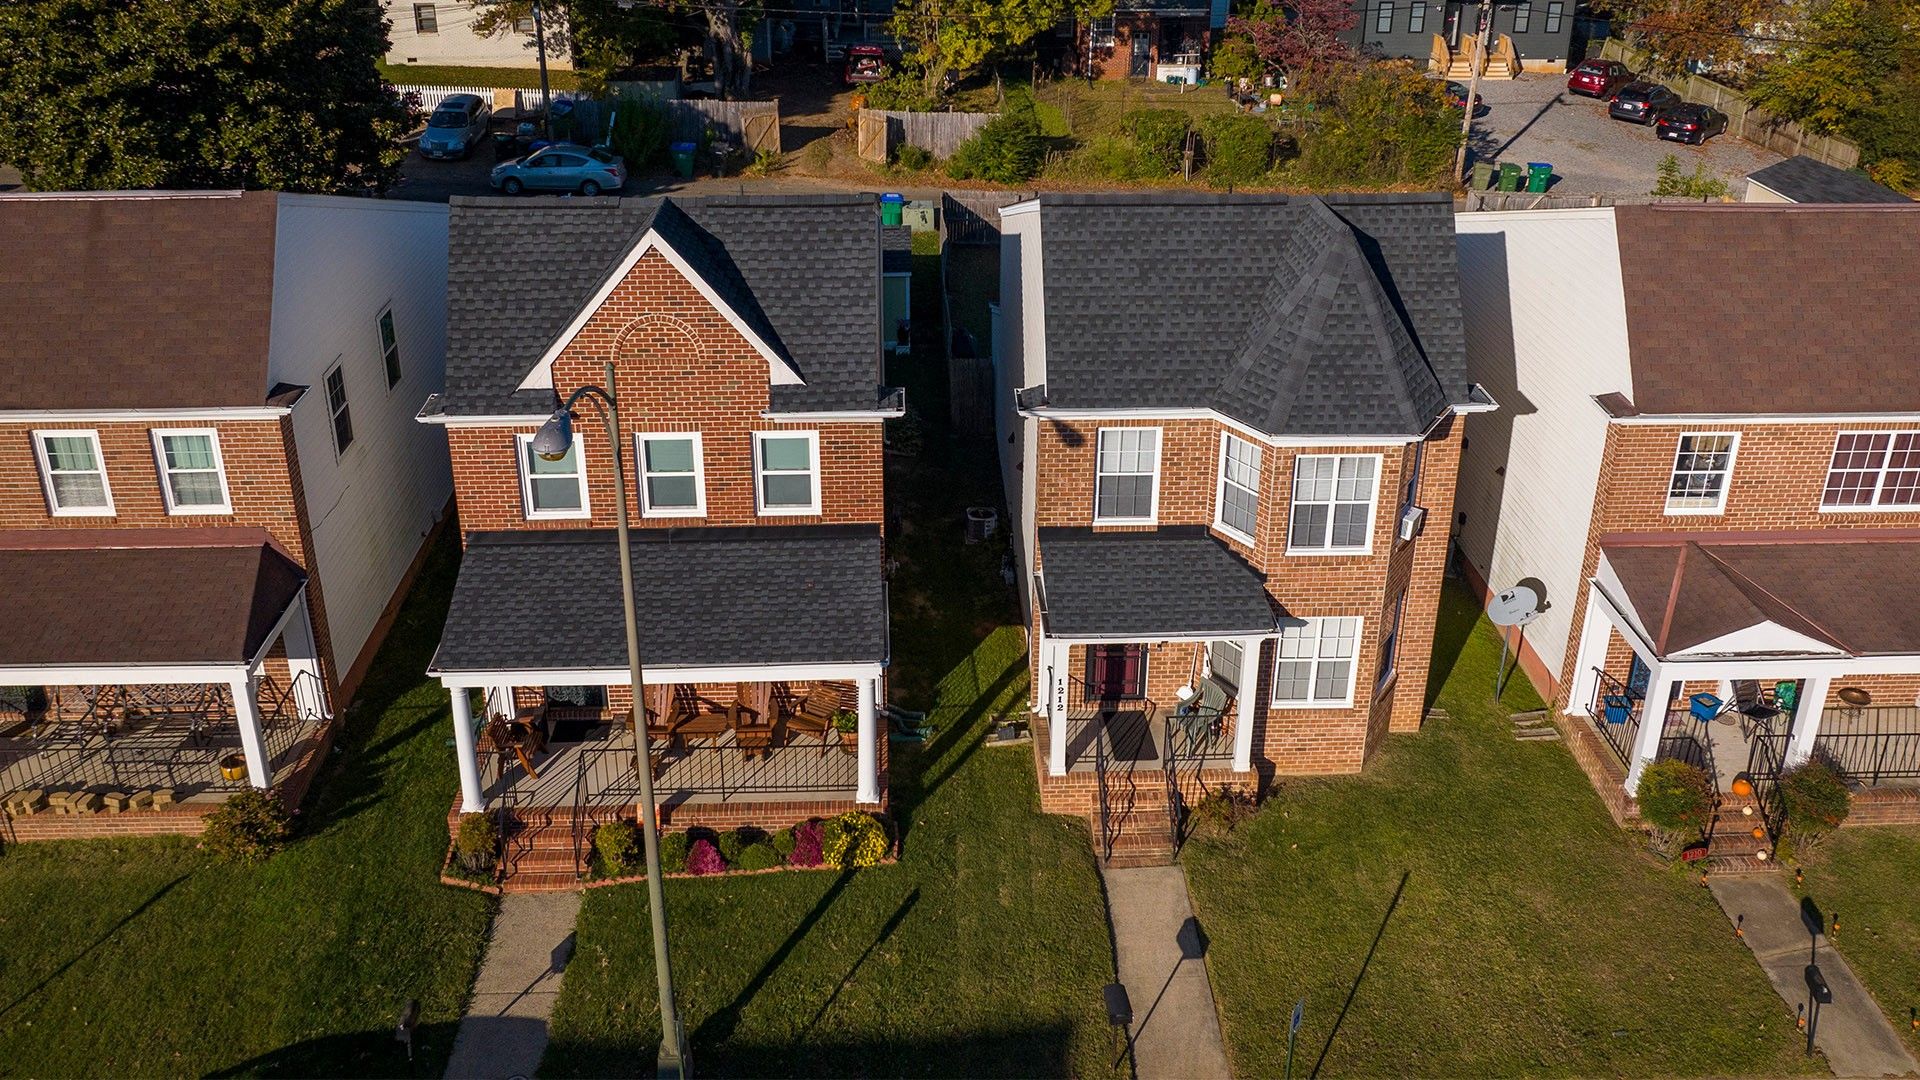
x=431, y=96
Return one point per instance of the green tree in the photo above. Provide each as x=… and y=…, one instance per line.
x=1837, y=72
x=1378, y=125
x=941, y=36
x=278, y=94
x=599, y=31
x=1713, y=33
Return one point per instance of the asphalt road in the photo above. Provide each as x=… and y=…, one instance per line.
x=1534, y=118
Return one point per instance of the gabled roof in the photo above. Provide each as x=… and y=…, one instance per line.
x=136, y=300
x=1824, y=322
x=1331, y=315
x=1805, y=180
x=1178, y=581
x=802, y=273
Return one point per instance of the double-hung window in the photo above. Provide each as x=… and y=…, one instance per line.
x=389, y=347
x=552, y=489
x=1225, y=660
x=672, y=480
x=425, y=19
x=193, y=480
x=1522, y=17
x=337, y=409
x=1702, y=465
x=1237, y=503
x=1390, y=641
x=1127, y=474
x=1100, y=33
x=1555, y=9
x=786, y=472
x=1383, y=17
x=1416, y=16
x=1873, y=470
x=1313, y=663
x=1333, y=503
x=74, y=473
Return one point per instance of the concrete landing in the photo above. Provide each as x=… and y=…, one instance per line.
x=1161, y=951
x=504, y=1031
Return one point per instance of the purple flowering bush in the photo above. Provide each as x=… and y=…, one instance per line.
x=704, y=858
x=806, y=845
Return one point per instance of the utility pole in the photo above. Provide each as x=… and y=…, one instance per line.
x=1482, y=30
x=546, y=95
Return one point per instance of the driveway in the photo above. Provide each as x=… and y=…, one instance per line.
x=1533, y=118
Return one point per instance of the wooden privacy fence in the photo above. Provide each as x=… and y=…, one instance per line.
x=1744, y=121
x=754, y=125
x=938, y=133
x=972, y=217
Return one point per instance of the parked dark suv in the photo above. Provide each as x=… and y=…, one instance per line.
x=1690, y=123
x=1641, y=102
x=1598, y=78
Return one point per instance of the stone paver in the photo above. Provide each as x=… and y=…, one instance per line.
x=1161, y=951
x=505, y=1029
x=1784, y=935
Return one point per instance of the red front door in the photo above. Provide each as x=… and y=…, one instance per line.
x=1116, y=672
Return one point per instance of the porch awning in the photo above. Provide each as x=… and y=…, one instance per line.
x=1768, y=596
x=1179, y=581
x=117, y=597
x=707, y=597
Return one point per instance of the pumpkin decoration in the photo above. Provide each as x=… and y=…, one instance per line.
x=1742, y=787
x=1759, y=832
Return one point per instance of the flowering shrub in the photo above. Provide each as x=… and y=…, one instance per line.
x=855, y=839
x=806, y=845
x=704, y=858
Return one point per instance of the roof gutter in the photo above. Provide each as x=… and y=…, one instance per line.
x=115, y=416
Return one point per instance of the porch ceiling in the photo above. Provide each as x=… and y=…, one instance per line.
x=117, y=597
x=1171, y=582
x=707, y=598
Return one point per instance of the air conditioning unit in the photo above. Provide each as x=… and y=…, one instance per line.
x=1412, y=519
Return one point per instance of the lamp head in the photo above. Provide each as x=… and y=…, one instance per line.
x=555, y=437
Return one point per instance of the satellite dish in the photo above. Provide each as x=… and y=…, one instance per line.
x=1517, y=606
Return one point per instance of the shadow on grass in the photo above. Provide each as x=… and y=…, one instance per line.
x=366, y=1053
x=118, y=925
x=1354, y=990
x=719, y=1027
x=893, y=923
x=1014, y=1051
x=947, y=749
x=1453, y=628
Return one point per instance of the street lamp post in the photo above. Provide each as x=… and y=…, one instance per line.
x=546, y=95
x=552, y=442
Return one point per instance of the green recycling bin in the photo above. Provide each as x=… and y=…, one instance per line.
x=890, y=207
x=1539, y=175
x=683, y=157
x=1509, y=176
x=1482, y=176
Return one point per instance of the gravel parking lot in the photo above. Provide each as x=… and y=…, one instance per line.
x=1534, y=118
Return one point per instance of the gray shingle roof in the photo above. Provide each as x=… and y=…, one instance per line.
x=547, y=599
x=1175, y=580
x=1805, y=180
x=1294, y=315
x=896, y=249
x=802, y=271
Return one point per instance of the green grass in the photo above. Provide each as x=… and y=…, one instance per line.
x=146, y=957
x=1467, y=908
x=452, y=75
x=1866, y=876
x=1096, y=108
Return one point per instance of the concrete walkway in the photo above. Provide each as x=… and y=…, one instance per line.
x=1787, y=935
x=1161, y=950
x=505, y=1029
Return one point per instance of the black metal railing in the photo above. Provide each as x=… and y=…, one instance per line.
x=1871, y=745
x=1193, y=736
x=1622, y=735
x=1766, y=760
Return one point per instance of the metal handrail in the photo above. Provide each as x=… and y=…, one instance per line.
x=1622, y=747
x=1870, y=757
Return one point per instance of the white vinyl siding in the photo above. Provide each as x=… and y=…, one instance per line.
x=74, y=473
x=1314, y=661
x=1126, y=485
x=1332, y=506
x=552, y=489
x=1873, y=470
x=1702, y=468
x=672, y=475
x=1237, y=502
x=786, y=472
x=193, y=478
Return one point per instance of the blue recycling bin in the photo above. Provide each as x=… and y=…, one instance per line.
x=1704, y=707
x=1616, y=708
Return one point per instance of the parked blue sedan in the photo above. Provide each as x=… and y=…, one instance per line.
x=562, y=167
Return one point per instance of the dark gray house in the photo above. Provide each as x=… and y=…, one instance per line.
x=1541, y=30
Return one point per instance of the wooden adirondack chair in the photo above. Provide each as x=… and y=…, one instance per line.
x=754, y=721
x=814, y=714
x=669, y=708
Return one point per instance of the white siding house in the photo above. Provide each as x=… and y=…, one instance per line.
x=1019, y=357
x=442, y=33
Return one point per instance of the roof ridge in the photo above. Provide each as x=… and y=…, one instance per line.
x=1756, y=592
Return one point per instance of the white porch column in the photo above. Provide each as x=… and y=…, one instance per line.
x=868, y=692
x=1053, y=663
x=1591, y=654
x=1243, y=704
x=473, y=798
x=246, y=716
x=303, y=662
x=1806, y=720
x=1653, y=724
x=500, y=701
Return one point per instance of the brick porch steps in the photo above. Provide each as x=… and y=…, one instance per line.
x=1142, y=833
x=1733, y=848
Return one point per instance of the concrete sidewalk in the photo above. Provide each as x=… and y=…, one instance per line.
x=504, y=1031
x=1161, y=952
x=1788, y=937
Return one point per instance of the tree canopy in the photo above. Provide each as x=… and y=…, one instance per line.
x=278, y=94
x=1711, y=33
x=939, y=36
x=1296, y=38
x=1852, y=68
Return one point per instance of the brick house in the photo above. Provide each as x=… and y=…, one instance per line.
x=211, y=491
x=745, y=339
x=1161, y=40
x=1717, y=506
x=1229, y=481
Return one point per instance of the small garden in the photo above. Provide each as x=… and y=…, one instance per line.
x=854, y=840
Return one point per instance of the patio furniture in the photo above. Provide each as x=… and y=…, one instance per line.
x=115, y=801
x=814, y=713
x=668, y=708
x=26, y=803
x=755, y=723
x=508, y=743
x=1203, y=715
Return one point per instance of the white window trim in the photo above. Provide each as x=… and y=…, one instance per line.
x=46, y=472
x=1720, y=507
x=1373, y=508
x=1353, y=670
x=1879, y=482
x=346, y=406
x=1153, y=503
x=225, y=506
x=521, y=448
x=1206, y=661
x=760, y=507
x=380, y=347
x=1220, y=490
x=1398, y=624
x=699, y=507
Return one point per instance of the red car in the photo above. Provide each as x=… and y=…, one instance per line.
x=865, y=64
x=1598, y=78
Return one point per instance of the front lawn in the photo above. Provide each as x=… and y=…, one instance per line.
x=1866, y=876
x=1467, y=908
x=453, y=75
x=146, y=957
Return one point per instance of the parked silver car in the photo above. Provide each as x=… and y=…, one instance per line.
x=562, y=167
x=457, y=124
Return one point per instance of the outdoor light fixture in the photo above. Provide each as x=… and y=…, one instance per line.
x=555, y=437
